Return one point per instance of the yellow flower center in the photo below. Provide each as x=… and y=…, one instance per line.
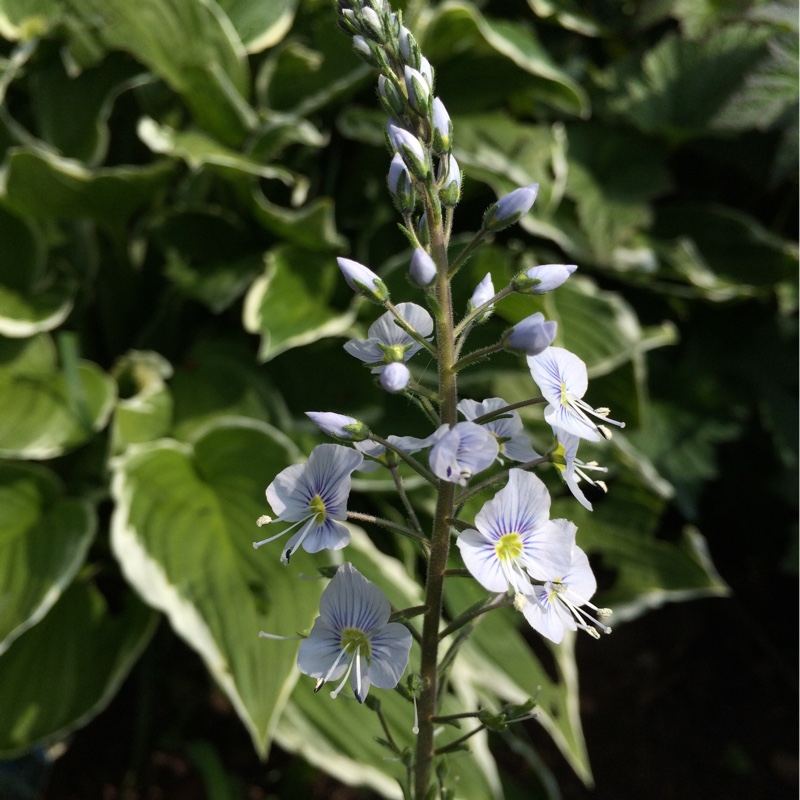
x=317, y=506
x=353, y=639
x=564, y=396
x=509, y=548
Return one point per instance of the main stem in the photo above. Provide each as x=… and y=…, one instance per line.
x=445, y=504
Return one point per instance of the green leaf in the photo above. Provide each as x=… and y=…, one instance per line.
x=32, y=298
x=199, y=150
x=681, y=85
x=45, y=414
x=260, y=25
x=288, y=305
x=217, y=379
x=726, y=253
x=44, y=700
x=26, y=19
x=44, y=540
x=144, y=408
x=613, y=176
x=500, y=667
x=41, y=185
x=182, y=531
x=648, y=571
x=340, y=737
x=456, y=27
x=192, y=45
x=72, y=111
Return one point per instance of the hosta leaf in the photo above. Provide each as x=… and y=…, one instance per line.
x=44, y=540
x=455, y=27
x=45, y=699
x=260, y=25
x=288, y=305
x=501, y=667
x=42, y=186
x=647, y=571
x=182, y=531
x=44, y=413
x=144, y=411
x=32, y=299
x=217, y=379
x=192, y=45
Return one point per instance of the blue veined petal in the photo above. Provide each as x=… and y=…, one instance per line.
x=462, y=451
x=522, y=506
x=480, y=558
x=352, y=601
x=548, y=550
x=391, y=646
x=568, y=419
x=330, y=535
x=547, y=616
x=328, y=473
x=319, y=651
x=368, y=351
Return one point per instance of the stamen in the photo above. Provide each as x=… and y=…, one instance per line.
x=256, y=545
x=346, y=675
x=265, y=635
x=415, y=729
x=263, y=520
x=358, y=674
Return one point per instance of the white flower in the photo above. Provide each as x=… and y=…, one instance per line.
x=511, y=438
x=515, y=538
x=562, y=379
x=556, y=606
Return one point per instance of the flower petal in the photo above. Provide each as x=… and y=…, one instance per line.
x=480, y=558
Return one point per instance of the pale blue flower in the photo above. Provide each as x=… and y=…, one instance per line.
x=352, y=637
x=573, y=469
x=510, y=208
x=545, y=278
x=562, y=379
x=530, y=336
x=387, y=342
x=339, y=426
x=394, y=377
x=422, y=268
x=313, y=496
x=363, y=280
x=462, y=451
x=514, y=538
x=511, y=438
x=557, y=605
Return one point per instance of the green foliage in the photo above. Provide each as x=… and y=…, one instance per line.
x=177, y=179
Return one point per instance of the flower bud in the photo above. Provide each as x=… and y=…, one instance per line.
x=422, y=269
x=426, y=70
x=390, y=97
x=363, y=49
x=363, y=280
x=401, y=186
x=419, y=93
x=411, y=150
x=530, y=336
x=339, y=426
x=510, y=208
x=442, y=128
x=371, y=24
x=423, y=234
x=450, y=190
x=538, y=280
x=484, y=292
x=409, y=49
x=394, y=377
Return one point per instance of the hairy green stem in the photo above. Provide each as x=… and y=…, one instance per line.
x=445, y=503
